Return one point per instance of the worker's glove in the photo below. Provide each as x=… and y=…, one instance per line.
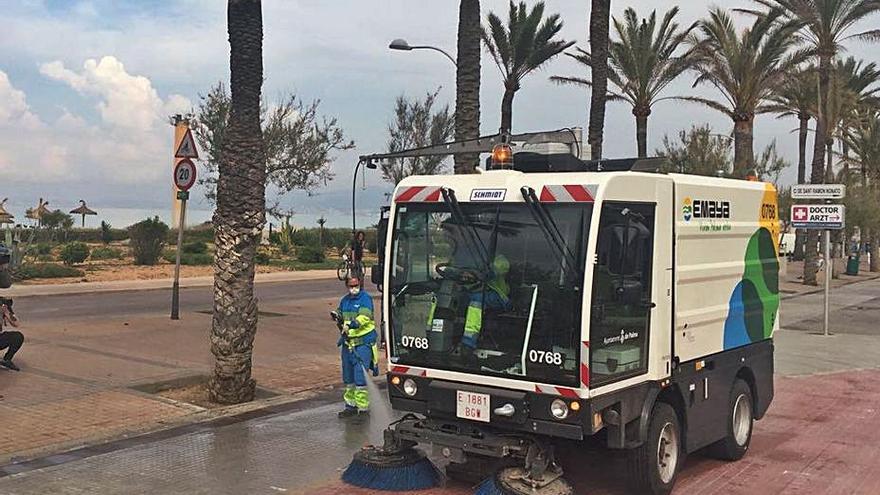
x=345, y=328
x=353, y=324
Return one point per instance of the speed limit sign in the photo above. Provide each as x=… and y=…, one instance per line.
x=184, y=174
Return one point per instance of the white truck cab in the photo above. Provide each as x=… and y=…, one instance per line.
x=523, y=306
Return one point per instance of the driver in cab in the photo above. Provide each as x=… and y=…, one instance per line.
x=494, y=294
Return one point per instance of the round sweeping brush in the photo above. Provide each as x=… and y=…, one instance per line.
x=377, y=469
x=509, y=482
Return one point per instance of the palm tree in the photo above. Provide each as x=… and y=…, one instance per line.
x=240, y=213
x=519, y=48
x=600, y=13
x=467, y=82
x=321, y=222
x=863, y=139
x=851, y=86
x=746, y=69
x=641, y=63
x=826, y=24
x=796, y=97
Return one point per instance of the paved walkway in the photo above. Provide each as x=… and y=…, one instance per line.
x=819, y=436
x=81, y=374
x=60, y=402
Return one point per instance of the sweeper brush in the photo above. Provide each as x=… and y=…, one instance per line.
x=515, y=481
x=395, y=467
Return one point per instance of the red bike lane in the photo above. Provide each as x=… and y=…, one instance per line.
x=820, y=436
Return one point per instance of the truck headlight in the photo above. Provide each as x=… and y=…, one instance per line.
x=559, y=409
x=410, y=388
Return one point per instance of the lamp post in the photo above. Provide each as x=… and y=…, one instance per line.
x=402, y=45
x=370, y=165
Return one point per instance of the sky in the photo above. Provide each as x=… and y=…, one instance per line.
x=86, y=88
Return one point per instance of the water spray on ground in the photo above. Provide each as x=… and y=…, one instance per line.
x=380, y=410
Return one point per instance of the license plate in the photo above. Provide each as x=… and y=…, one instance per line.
x=472, y=406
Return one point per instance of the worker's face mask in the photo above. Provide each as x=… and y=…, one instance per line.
x=354, y=290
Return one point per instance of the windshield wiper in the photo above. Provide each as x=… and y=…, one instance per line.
x=474, y=243
x=550, y=230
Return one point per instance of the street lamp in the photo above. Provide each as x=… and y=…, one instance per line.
x=402, y=45
x=370, y=165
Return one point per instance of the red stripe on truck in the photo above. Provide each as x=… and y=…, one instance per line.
x=408, y=194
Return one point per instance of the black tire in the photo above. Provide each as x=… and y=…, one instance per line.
x=644, y=461
x=735, y=443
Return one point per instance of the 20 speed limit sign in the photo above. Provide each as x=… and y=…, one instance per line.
x=184, y=174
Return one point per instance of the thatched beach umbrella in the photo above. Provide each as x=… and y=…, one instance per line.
x=83, y=210
x=38, y=212
x=5, y=216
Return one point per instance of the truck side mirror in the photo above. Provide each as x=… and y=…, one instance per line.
x=377, y=269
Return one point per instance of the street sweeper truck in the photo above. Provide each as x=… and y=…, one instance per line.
x=553, y=298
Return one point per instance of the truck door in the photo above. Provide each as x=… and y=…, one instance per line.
x=622, y=302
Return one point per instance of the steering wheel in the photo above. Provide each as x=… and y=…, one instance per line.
x=458, y=274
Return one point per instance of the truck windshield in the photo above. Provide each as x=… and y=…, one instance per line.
x=516, y=315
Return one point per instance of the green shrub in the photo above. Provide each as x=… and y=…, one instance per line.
x=310, y=254
x=188, y=259
x=74, y=253
x=107, y=253
x=106, y=233
x=43, y=248
x=262, y=258
x=46, y=270
x=147, y=240
x=197, y=247
x=44, y=258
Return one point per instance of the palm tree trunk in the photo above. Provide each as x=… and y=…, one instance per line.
x=743, y=147
x=641, y=116
x=600, y=13
x=817, y=173
x=240, y=213
x=874, y=265
x=467, y=82
x=829, y=167
x=507, y=109
x=803, y=131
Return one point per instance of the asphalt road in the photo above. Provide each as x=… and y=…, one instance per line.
x=140, y=303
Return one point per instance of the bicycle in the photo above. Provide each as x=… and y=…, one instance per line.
x=349, y=268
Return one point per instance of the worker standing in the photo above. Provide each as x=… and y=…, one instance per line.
x=359, y=349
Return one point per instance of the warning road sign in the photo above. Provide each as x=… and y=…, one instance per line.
x=187, y=148
x=817, y=216
x=184, y=174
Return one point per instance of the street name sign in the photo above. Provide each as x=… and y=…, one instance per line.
x=818, y=191
x=817, y=216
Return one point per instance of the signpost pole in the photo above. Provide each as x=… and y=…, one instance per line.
x=175, y=289
x=829, y=268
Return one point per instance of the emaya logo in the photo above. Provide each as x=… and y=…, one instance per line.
x=687, y=210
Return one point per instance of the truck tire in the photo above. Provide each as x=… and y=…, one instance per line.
x=654, y=464
x=738, y=424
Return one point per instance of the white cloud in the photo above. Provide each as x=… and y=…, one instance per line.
x=129, y=145
x=14, y=109
x=125, y=100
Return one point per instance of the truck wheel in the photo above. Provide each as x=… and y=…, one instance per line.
x=739, y=422
x=654, y=464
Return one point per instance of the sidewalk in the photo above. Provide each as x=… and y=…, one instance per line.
x=791, y=278
x=164, y=283
x=81, y=380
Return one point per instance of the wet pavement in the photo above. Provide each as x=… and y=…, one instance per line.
x=819, y=436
